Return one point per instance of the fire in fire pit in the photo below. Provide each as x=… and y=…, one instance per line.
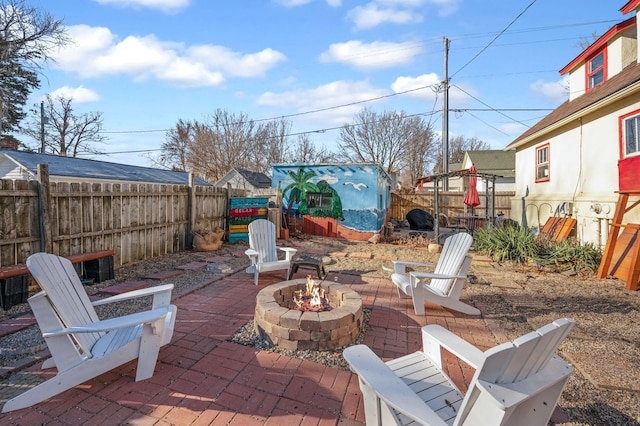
x=312, y=299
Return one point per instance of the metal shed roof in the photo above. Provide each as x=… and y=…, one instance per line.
x=94, y=169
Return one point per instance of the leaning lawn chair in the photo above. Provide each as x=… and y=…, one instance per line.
x=263, y=251
x=82, y=346
x=445, y=283
x=515, y=383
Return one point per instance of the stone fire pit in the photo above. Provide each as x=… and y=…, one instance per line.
x=291, y=329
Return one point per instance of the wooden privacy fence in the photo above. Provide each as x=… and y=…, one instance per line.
x=139, y=221
x=449, y=203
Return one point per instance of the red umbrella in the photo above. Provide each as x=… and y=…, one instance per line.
x=471, y=198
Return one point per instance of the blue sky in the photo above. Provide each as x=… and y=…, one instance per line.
x=145, y=64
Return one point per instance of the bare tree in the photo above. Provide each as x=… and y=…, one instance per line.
x=223, y=141
x=176, y=146
x=422, y=147
x=65, y=133
x=305, y=151
x=382, y=138
x=271, y=144
x=458, y=145
x=27, y=37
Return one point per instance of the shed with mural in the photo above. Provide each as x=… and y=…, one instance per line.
x=340, y=200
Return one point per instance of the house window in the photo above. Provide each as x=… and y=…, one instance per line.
x=596, y=70
x=542, y=163
x=319, y=200
x=630, y=136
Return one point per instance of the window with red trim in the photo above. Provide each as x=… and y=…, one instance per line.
x=542, y=163
x=596, y=69
x=631, y=135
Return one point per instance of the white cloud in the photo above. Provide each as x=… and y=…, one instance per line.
x=96, y=51
x=427, y=87
x=167, y=6
x=378, y=12
x=376, y=55
x=331, y=180
x=416, y=85
x=446, y=7
x=372, y=15
x=78, y=94
x=234, y=63
x=556, y=91
x=513, y=129
x=329, y=96
x=294, y=3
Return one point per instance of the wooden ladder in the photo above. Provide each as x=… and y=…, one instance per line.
x=621, y=256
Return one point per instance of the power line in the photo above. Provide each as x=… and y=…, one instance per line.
x=488, y=106
x=495, y=38
x=406, y=46
x=299, y=113
x=323, y=130
x=486, y=124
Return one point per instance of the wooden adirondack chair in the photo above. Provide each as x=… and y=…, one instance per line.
x=82, y=346
x=515, y=383
x=445, y=283
x=263, y=251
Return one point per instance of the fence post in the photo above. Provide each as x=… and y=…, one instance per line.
x=191, y=211
x=227, y=207
x=44, y=207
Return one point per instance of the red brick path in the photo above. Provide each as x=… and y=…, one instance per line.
x=202, y=379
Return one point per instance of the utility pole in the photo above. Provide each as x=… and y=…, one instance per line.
x=445, y=117
x=41, y=127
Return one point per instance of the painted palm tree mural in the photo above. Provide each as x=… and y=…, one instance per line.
x=323, y=202
x=297, y=190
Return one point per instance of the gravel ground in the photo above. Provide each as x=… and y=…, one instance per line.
x=604, y=346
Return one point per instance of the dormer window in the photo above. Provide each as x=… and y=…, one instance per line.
x=596, y=70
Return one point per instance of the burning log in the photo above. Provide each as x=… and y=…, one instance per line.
x=312, y=299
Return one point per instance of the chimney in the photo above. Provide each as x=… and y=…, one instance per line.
x=9, y=142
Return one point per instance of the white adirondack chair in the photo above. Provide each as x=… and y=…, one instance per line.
x=515, y=383
x=81, y=345
x=444, y=285
x=263, y=251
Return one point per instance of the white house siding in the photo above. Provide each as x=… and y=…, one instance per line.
x=614, y=57
x=590, y=146
x=576, y=83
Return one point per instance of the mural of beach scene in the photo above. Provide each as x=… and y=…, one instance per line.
x=355, y=196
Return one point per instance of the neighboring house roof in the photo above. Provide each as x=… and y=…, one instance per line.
x=257, y=179
x=92, y=169
x=244, y=179
x=623, y=84
x=496, y=162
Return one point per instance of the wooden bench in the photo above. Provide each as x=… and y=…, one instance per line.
x=14, y=279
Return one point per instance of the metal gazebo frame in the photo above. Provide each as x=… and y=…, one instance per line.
x=489, y=194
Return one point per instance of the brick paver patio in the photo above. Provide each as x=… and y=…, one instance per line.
x=202, y=379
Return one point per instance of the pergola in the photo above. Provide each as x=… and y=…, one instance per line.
x=489, y=194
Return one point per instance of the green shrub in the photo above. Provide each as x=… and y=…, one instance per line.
x=569, y=255
x=506, y=243
x=518, y=244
